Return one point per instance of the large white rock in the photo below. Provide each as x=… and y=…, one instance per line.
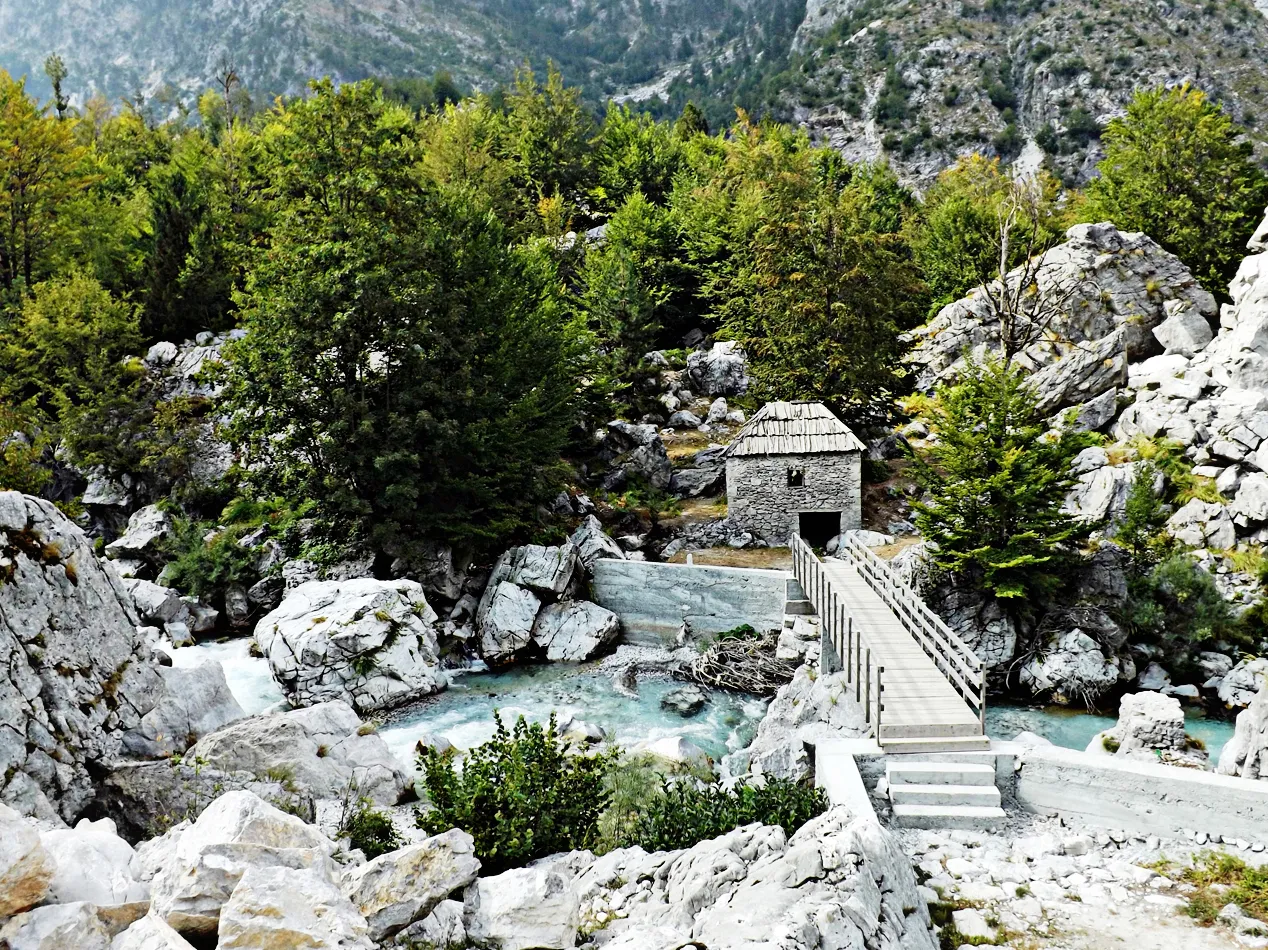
x=575, y=630
x=56, y=927
x=442, y=929
x=1185, y=331
x=532, y=908
x=401, y=887
x=26, y=868
x=201, y=865
x=371, y=643
x=92, y=864
x=195, y=701
x=1150, y=727
x=155, y=603
x=75, y=674
x=1071, y=666
x=1251, y=502
x=320, y=749
x=282, y=907
x=506, y=625
x=545, y=570
x=146, y=528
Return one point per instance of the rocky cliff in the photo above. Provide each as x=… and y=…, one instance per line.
x=76, y=674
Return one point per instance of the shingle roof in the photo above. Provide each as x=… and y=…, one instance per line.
x=794, y=428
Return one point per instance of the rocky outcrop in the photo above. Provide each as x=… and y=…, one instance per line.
x=813, y=706
x=150, y=933
x=200, y=865
x=404, y=886
x=593, y=543
x=1240, y=685
x=195, y=701
x=320, y=749
x=370, y=643
x=632, y=451
x=146, y=528
x=840, y=881
x=76, y=676
x=1150, y=727
x=1115, y=287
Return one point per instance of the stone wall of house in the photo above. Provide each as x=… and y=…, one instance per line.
x=759, y=498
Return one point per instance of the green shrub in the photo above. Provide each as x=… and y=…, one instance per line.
x=1178, y=603
x=520, y=795
x=743, y=632
x=368, y=829
x=685, y=813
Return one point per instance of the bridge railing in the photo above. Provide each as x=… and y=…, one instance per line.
x=863, y=669
x=953, y=657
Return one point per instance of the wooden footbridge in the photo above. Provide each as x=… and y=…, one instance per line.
x=922, y=687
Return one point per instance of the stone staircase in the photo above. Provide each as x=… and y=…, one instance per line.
x=955, y=791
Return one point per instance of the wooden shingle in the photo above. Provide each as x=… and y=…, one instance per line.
x=794, y=428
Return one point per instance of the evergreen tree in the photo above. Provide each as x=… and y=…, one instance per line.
x=996, y=480
x=1178, y=169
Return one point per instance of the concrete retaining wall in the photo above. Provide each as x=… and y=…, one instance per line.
x=1140, y=797
x=653, y=599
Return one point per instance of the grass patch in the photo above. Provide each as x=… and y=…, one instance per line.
x=777, y=559
x=1220, y=879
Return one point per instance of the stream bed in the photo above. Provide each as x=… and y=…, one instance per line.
x=463, y=714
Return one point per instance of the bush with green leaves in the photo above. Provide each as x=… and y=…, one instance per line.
x=685, y=812
x=1178, y=605
x=367, y=828
x=521, y=795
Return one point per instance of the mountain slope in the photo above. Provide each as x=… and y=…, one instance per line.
x=917, y=81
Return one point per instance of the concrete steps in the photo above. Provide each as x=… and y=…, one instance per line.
x=943, y=793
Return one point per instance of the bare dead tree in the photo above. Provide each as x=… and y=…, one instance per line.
x=1024, y=300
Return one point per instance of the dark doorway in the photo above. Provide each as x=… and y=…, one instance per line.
x=817, y=528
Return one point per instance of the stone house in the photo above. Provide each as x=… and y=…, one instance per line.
x=795, y=467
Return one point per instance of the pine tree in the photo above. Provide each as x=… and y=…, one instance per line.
x=995, y=481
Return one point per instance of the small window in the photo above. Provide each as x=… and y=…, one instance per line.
x=796, y=478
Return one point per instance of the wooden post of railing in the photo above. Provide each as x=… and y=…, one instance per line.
x=880, y=699
x=867, y=702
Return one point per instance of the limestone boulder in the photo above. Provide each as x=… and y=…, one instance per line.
x=146, y=528
x=532, y=908
x=1250, y=506
x=1243, y=682
x=150, y=933
x=548, y=571
x=593, y=543
x=575, y=630
x=1185, y=331
x=320, y=749
x=92, y=864
x=195, y=701
x=1203, y=524
x=1246, y=754
x=442, y=929
x=719, y=371
x=1070, y=667
x=155, y=603
x=404, y=886
x=202, y=864
x=75, y=674
x=1150, y=727
x=505, y=621
x=633, y=451
x=277, y=906
x=367, y=642
x=26, y=867
x=74, y=926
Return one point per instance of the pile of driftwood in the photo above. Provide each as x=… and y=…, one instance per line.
x=745, y=665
